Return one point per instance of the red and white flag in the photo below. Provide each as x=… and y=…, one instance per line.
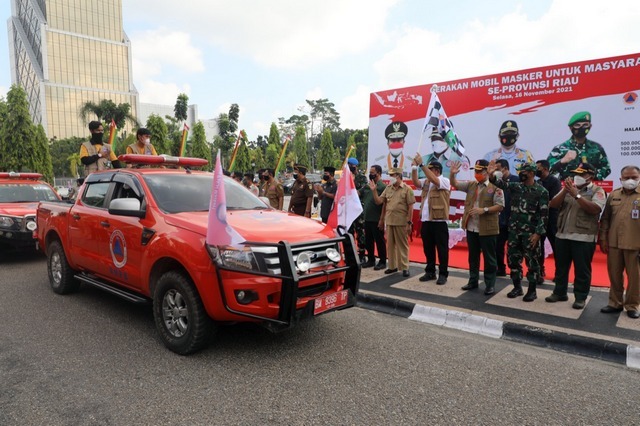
x=346, y=204
x=219, y=232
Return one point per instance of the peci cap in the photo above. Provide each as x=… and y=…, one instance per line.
x=352, y=161
x=395, y=171
x=330, y=169
x=579, y=117
x=481, y=165
x=527, y=167
x=396, y=130
x=300, y=168
x=584, y=168
x=508, y=126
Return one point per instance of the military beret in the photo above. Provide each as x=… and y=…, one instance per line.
x=396, y=130
x=580, y=116
x=330, y=169
x=352, y=161
x=395, y=171
x=481, y=165
x=527, y=167
x=299, y=167
x=508, y=126
x=584, y=168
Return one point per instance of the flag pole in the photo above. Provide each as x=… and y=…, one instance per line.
x=346, y=157
x=433, y=91
x=183, y=141
x=281, y=157
x=112, y=134
x=232, y=163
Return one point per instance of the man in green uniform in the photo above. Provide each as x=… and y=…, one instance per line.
x=301, y=192
x=357, y=227
x=528, y=222
x=273, y=190
x=578, y=149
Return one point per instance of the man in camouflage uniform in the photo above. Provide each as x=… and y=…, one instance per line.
x=578, y=149
x=301, y=192
x=528, y=222
x=357, y=227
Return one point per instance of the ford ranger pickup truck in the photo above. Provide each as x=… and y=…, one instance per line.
x=140, y=233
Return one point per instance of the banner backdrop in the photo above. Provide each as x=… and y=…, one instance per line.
x=540, y=100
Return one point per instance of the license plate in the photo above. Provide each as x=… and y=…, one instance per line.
x=330, y=301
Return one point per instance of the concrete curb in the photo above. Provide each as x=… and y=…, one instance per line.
x=604, y=350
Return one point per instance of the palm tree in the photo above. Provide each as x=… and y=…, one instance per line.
x=106, y=110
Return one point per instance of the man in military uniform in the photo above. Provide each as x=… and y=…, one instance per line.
x=578, y=149
x=395, y=134
x=620, y=240
x=273, y=189
x=444, y=154
x=508, y=136
x=528, y=222
x=301, y=192
x=579, y=203
x=357, y=227
x=96, y=155
x=327, y=192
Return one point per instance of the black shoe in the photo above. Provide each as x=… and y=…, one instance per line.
x=489, y=291
x=610, y=309
x=380, y=265
x=405, y=273
x=530, y=296
x=391, y=271
x=369, y=264
x=501, y=273
x=517, y=291
x=442, y=280
x=633, y=314
x=428, y=276
x=469, y=286
x=363, y=258
x=578, y=304
x=556, y=298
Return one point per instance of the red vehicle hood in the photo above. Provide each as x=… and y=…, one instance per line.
x=258, y=225
x=18, y=209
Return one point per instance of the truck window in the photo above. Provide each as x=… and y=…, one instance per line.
x=95, y=194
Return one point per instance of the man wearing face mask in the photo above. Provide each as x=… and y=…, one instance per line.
x=620, y=240
x=443, y=154
x=357, y=227
x=553, y=186
x=261, y=183
x=508, y=136
x=482, y=206
x=580, y=203
x=374, y=234
x=248, y=183
x=397, y=201
x=503, y=173
x=578, y=149
x=301, y=192
x=528, y=222
x=327, y=192
x=395, y=134
x=142, y=144
x=273, y=189
x=96, y=155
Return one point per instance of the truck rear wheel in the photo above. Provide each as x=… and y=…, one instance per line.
x=179, y=314
x=60, y=273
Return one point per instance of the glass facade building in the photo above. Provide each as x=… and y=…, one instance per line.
x=67, y=52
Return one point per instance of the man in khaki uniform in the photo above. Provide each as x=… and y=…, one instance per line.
x=273, y=190
x=620, y=239
x=301, y=192
x=397, y=208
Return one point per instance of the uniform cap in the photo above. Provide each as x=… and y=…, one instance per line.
x=329, y=169
x=584, y=168
x=395, y=171
x=299, y=167
x=352, y=161
x=508, y=126
x=579, y=117
x=481, y=165
x=396, y=130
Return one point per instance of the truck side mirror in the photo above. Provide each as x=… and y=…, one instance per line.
x=126, y=207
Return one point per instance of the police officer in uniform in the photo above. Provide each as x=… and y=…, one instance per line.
x=273, y=189
x=508, y=136
x=357, y=227
x=578, y=149
x=527, y=224
x=95, y=155
x=327, y=192
x=301, y=192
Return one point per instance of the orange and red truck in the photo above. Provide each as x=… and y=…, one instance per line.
x=140, y=234
x=20, y=194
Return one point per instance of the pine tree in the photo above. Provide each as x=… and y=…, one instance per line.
x=326, y=155
x=199, y=147
x=274, y=147
x=300, y=147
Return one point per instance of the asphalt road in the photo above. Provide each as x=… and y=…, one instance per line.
x=90, y=358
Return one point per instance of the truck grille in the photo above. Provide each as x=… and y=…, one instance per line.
x=268, y=259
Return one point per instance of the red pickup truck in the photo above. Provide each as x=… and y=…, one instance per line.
x=139, y=233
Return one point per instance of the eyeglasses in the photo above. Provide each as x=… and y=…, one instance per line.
x=581, y=125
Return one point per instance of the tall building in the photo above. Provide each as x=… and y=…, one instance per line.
x=67, y=52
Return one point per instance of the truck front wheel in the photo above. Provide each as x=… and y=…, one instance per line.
x=60, y=273
x=179, y=314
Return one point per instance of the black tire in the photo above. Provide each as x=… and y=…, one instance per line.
x=61, y=276
x=179, y=314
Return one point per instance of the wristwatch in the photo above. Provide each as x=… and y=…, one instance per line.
x=486, y=209
x=409, y=223
x=578, y=196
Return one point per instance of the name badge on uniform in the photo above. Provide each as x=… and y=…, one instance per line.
x=635, y=213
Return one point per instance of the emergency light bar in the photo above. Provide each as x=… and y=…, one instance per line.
x=162, y=159
x=15, y=175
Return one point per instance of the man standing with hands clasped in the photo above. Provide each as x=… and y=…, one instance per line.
x=579, y=205
x=482, y=206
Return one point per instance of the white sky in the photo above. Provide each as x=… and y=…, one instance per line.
x=269, y=56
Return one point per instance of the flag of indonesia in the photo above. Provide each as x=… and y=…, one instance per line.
x=219, y=232
x=346, y=204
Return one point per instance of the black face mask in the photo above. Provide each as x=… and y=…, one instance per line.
x=508, y=141
x=539, y=173
x=353, y=169
x=96, y=138
x=580, y=133
x=326, y=177
x=372, y=177
x=265, y=177
x=523, y=176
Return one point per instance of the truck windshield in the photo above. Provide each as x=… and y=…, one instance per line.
x=20, y=193
x=176, y=193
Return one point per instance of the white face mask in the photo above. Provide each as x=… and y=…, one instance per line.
x=498, y=175
x=146, y=141
x=579, y=180
x=629, y=184
x=439, y=146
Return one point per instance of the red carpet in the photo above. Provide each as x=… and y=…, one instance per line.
x=458, y=258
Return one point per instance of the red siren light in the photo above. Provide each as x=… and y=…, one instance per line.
x=151, y=160
x=16, y=175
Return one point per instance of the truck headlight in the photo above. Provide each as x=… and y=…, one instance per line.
x=6, y=222
x=234, y=258
x=303, y=261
